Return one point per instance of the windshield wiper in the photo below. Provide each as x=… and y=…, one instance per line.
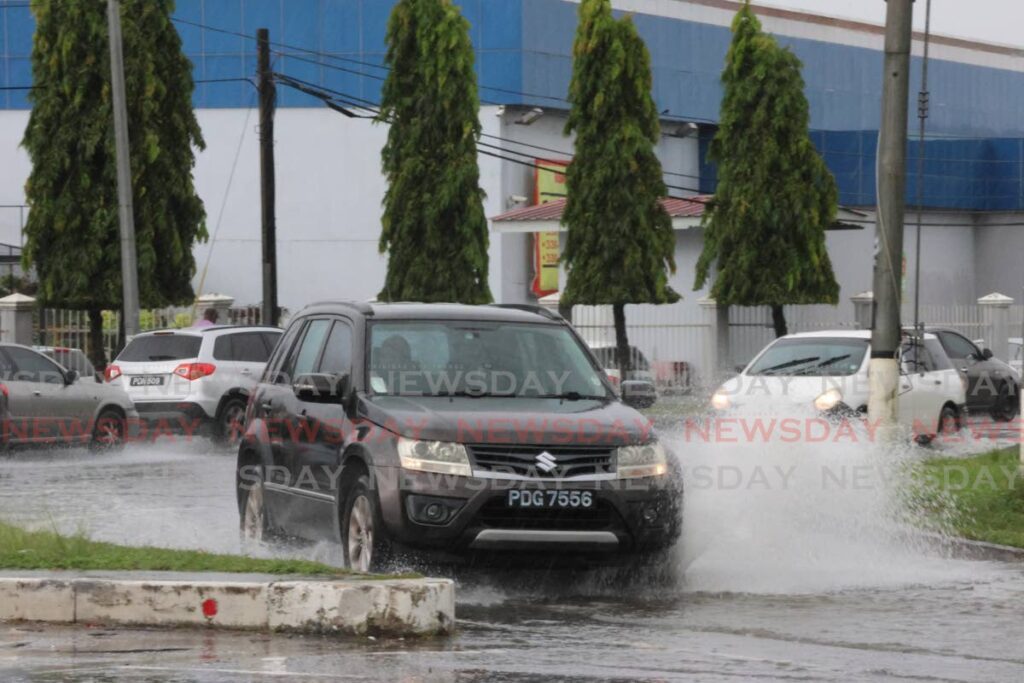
x=824, y=364
x=792, y=363
x=571, y=396
x=159, y=357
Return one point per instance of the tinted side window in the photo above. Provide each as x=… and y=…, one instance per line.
x=309, y=350
x=278, y=359
x=956, y=346
x=29, y=366
x=270, y=339
x=915, y=358
x=337, y=358
x=222, y=348
x=938, y=355
x=248, y=347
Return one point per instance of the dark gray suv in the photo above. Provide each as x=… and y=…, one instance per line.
x=456, y=432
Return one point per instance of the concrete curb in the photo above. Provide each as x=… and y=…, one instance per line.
x=363, y=607
x=966, y=549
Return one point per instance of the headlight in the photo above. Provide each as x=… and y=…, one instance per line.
x=441, y=457
x=829, y=400
x=648, y=460
x=720, y=400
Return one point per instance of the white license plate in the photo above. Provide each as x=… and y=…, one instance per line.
x=550, y=500
x=146, y=381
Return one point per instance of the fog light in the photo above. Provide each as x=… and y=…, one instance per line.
x=432, y=509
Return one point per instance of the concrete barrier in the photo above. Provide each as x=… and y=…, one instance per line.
x=378, y=607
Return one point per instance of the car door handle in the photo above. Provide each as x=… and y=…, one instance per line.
x=937, y=381
x=266, y=407
x=246, y=371
x=37, y=393
x=963, y=369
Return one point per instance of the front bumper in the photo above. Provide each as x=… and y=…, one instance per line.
x=628, y=516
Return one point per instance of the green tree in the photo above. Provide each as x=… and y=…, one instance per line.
x=764, y=231
x=434, y=228
x=72, y=236
x=620, y=244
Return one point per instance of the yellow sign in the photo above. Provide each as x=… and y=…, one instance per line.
x=549, y=185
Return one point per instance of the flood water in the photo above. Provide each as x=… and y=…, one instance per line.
x=798, y=562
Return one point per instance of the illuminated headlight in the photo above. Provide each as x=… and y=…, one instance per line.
x=720, y=400
x=648, y=460
x=441, y=457
x=829, y=400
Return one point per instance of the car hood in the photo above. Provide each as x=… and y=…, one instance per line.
x=765, y=390
x=527, y=421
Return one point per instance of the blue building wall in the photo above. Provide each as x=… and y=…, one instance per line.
x=524, y=57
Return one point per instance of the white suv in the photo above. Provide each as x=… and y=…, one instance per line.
x=194, y=378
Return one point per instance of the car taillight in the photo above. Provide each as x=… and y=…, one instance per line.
x=3, y=391
x=111, y=373
x=191, y=371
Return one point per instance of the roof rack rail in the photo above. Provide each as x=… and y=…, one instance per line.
x=533, y=308
x=360, y=306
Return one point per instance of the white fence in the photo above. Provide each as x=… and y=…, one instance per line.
x=675, y=334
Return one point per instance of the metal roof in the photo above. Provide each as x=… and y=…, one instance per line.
x=692, y=207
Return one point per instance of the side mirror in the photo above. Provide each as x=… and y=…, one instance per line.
x=987, y=354
x=637, y=394
x=741, y=367
x=70, y=377
x=321, y=388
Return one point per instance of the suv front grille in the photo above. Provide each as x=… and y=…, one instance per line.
x=496, y=514
x=569, y=461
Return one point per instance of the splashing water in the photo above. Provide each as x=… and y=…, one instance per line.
x=803, y=506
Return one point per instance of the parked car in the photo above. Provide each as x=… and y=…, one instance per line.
x=45, y=403
x=992, y=385
x=71, y=359
x=640, y=383
x=454, y=432
x=828, y=371
x=197, y=377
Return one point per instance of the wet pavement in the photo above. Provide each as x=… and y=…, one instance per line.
x=791, y=581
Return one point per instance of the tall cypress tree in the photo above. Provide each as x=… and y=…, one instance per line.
x=434, y=228
x=72, y=237
x=765, y=229
x=620, y=244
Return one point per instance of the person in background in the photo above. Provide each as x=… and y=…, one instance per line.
x=209, y=318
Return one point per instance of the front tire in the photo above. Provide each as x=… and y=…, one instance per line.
x=254, y=525
x=364, y=540
x=108, y=432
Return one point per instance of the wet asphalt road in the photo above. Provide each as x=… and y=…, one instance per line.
x=774, y=585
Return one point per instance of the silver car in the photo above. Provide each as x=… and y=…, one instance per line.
x=45, y=403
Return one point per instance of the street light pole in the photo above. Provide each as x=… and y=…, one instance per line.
x=126, y=213
x=892, y=166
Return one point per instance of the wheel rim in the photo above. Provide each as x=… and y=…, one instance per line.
x=252, y=520
x=360, y=535
x=108, y=432
x=232, y=426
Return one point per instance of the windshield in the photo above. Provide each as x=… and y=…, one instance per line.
x=160, y=347
x=816, y=357
x=470, y=358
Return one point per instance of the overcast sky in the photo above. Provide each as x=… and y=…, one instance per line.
x=992, y=21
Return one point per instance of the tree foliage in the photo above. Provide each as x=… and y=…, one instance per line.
x=72, y=236
x=434, y=228
x=620, y=244
x=765, y=229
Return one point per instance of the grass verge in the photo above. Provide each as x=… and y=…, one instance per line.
x=986, y=493
x=21, y=549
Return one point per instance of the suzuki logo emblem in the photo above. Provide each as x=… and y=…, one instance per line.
x=546, y=462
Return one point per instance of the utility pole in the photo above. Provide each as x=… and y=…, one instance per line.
x=126, y=213
x=884, y=370
x=268, y=96
x=923, y=103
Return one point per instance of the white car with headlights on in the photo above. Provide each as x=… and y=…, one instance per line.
x=827, y=374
